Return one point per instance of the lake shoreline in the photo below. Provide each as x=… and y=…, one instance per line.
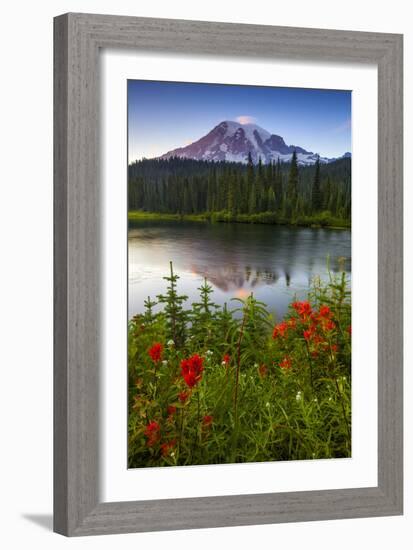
x=265, y=218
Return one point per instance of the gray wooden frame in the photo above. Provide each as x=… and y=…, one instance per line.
x=78, y=39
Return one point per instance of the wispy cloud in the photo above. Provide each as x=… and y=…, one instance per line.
x=246, y=119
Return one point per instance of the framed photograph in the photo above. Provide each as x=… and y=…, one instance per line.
x=228, y=274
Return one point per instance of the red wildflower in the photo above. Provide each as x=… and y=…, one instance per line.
x=329, y=325
x=309, y=333
x=286, y=363
x=349, y=329
x=207, y=420
x=262, y=370
x=226, y=359
x=325, y=312
x=292, y=322
x=183, y=396
x=283, y=327
x=155, y=352
x=167, y=447
x=171, y=410
x=191, y=370
x=317, y=339
x=280, y=330
x=334, y=348
x=315, y=318
x=302, y=308
x=153, y=433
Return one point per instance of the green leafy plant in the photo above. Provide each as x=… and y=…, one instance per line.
x=213, y=385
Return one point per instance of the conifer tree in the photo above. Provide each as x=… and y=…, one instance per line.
x=251, y=185
x=176, y=315
x=187, y=186
x=260, y=170
x=202, y=316
x=250, y=169
x=292, y=186
x=327, y=194
x=149, y=316
x=271, y=204
x=278, y=184
x=260, y=195
x=252, y=202
x=231, y=194
x=316, y=198
x=209, y=204
x=270, y=172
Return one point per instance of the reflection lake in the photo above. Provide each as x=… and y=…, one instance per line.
x=276, y=263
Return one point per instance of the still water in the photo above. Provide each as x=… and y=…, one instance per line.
x=276, y=263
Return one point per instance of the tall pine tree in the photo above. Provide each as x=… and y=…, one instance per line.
x=292, y=186
x=271, y=205
x=251, y=185
x=316, y=198
x=231, y=194
x=327, y=194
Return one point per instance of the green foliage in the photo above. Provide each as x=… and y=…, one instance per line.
x=174, y=312
x=203, y=328
x=316, y=196
x=184, y=188
x=271, y=202
x=292, y=186
x=322, y=219
x=149, y=315
x=264, y=392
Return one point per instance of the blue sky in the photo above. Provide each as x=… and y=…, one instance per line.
x=166, y=115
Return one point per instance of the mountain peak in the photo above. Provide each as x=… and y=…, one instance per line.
x=233, y=141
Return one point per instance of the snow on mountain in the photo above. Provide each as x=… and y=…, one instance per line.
x=231, y=141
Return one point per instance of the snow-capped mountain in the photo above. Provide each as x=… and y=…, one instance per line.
x=231, y=141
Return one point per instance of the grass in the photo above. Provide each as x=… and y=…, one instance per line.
x=323, y=219
x=139, y=215
x=209, y=385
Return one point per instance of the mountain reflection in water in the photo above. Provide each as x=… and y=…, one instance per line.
x=276, y=263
